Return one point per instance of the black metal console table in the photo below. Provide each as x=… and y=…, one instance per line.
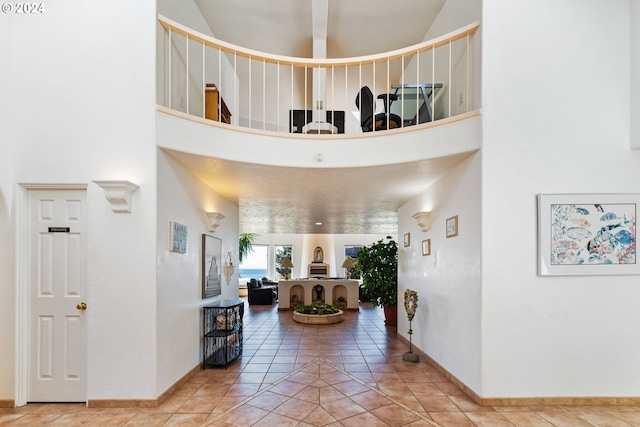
x=222, y=332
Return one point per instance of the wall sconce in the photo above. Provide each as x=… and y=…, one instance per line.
x=214, y=220
x=286, y=263
x=423, y=219
x=228, y=269
x=118, y=193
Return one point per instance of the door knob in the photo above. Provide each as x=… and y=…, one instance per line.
x=82, y=306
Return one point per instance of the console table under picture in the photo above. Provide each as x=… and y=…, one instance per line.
x=222, y=329
x=292, y=293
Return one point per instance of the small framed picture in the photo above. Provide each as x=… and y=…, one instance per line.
x=407, y=239
x=426, y=247
x=452, y=226
x=177, y=237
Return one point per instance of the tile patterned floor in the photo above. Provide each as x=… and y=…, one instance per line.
x=349, y=374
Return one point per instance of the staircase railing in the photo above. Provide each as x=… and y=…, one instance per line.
x=203, y=78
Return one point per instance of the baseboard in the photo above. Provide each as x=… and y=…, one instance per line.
x=122, y=403
x=523, y=401
x=142, y=403
x=9, y=403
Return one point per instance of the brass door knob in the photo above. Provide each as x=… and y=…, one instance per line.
x=82, y=306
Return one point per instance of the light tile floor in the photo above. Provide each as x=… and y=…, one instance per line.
x=348, y=374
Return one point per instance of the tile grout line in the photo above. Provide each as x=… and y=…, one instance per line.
x=381, y=393
x=315, y=362
x=260, y=392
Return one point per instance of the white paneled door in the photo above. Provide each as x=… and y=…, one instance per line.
x=57, y=278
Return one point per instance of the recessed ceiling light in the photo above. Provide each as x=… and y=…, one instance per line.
x=318, y=223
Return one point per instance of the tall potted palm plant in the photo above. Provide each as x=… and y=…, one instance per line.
x=378, y=267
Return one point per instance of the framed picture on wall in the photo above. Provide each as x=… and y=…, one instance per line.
x=426, y=247
x=407, y=239
x=177, y=237
x=211, y=266
x=452, y=226
x=587, y=234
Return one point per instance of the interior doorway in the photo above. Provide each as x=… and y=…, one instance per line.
x=52, y=344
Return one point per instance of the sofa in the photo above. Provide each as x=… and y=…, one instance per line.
x=262, y=292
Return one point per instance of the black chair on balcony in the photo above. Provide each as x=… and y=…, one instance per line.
x=369, y=119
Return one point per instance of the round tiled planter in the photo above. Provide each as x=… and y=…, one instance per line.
x=319, y=319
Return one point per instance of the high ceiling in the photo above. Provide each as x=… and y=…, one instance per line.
x=353, y=27
x=290, y=200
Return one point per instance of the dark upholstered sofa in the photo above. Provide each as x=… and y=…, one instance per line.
x=262, y=292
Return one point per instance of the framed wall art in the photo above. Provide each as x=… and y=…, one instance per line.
x=426, y=247
x=452, y=226
x=587, y=234
x=211, y=266
x=407, y=239
x=177, y=237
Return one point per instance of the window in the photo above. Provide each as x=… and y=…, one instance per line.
x=282, y=252
x=256, y=264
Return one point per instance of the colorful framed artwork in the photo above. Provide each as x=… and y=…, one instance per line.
x=426, y=247
x=587, y=234
x=407, y=239
x=177, y=237
x=211, y=266
x=452, y=226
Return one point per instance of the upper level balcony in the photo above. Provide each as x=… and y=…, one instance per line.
x=212, y=82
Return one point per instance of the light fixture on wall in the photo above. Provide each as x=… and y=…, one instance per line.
x=118, y=194
x=286, y=263
x=423, y=219
x=214, y=220
x=228, y=269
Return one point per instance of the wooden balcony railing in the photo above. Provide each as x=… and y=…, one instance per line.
x=210, y=80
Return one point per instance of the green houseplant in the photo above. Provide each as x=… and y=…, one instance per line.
x=245, y=244
x=378, y=267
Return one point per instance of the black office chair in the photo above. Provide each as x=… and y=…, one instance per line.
x=381, y=121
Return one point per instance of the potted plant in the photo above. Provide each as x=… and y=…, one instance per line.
x=378, y=267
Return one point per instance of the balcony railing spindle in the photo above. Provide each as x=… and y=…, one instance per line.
x=324, y=96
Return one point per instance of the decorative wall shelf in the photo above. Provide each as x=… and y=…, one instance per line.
x=118, y=193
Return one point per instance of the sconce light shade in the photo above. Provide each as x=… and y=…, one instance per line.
x=214, y=220
x=118, y=194
x=423, y=219
x=348, y=263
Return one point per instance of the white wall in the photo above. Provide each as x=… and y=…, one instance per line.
x=634, y=50
x=186, y=199
x=217, y=142
x=7, y=233
x=546, y=131
x=81, y=97
x=447, y=325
